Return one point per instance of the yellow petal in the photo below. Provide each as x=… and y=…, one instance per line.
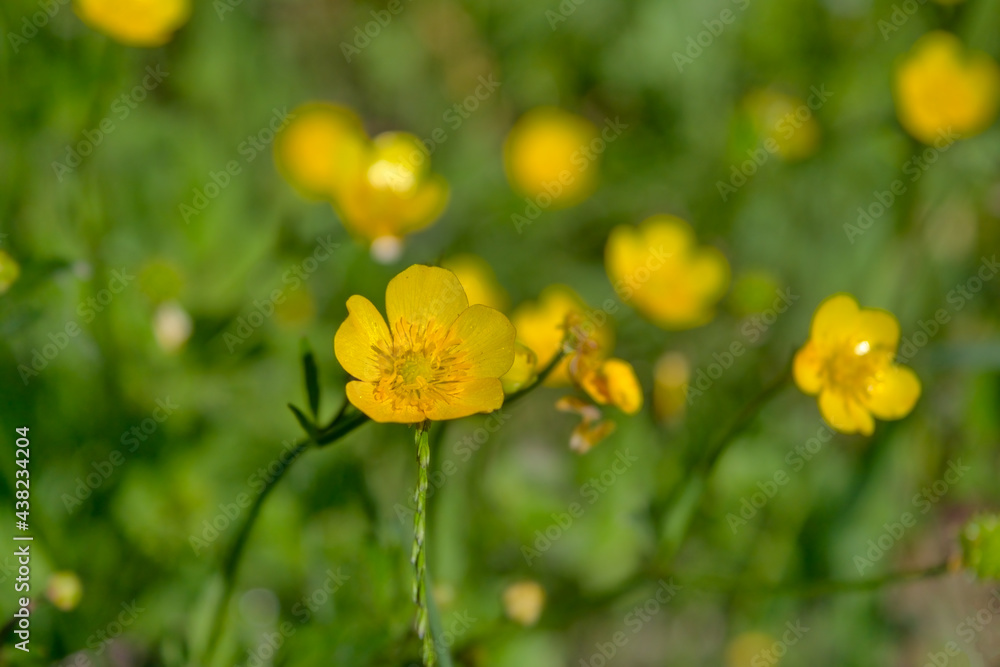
x=808, y=368
x=844, y=413
x=894, y=393
x=522, y=371
x=879, y=328
x=623, y=386
x=835, y=318
x=474, y=396
x=487, y=341
x=361, y=396
x=588, y=434
x=362, y=342
x=423, y=294
x=425, y=206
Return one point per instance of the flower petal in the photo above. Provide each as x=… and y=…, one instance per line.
x=363, y=340
x=361, y=395
x=474, y=396
x=879, y=328
x=807, y=369
x=845, y=414
x=894, y=393
x=835, y=318
x=424, y=294
x=487, y=341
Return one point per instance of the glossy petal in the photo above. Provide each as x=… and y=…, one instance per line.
x=362, y=342
x=835, y=318
x=361, y=396
x=807, y=369
x=845, y=414
x=895, y=393
x=487, y=341
x=879, y=328
x=624, y=389
x=422, y=294
x=474, y=396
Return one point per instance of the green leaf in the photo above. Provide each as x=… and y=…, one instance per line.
x=312, y=378
x=304, y=422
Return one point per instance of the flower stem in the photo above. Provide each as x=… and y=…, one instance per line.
x=542, y=376
x=340, y=427
x=419, y=554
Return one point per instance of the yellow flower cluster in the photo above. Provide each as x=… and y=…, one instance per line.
x=381, y=188
x=940, y=88
x=135, y=22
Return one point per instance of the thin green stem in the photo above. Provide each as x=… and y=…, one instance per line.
x=419, y=554
x=339, y=428
x=542, y=376
x=689, y=496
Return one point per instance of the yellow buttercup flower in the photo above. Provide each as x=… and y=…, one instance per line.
x=321, y=150
x=940, y=89
x=10, y=271
x=607, y=381
x=547, y=154
x=542, y=326
x=478, y=280
x=394, y=193
x=785, y=120
x=660, y=270
x=671, y=377
x=135, y=22
x=438, y=357
x=848, y=362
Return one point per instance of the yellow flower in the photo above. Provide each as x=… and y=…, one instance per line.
x=438, y=358
x=848, y=362
x=10, y=271
x=939, y=88
x=780, y=118
x=321, y=150
x=542, y=326
x=670, y=385
x=394, y=193
x=478, y=280
x=660, y=270
x=546, y=154
x=523, y=602
x=135, y=22
x=607, y=382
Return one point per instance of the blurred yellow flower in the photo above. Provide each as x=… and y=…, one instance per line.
x=64, y=590
x=547, y=153
x=438, y=358
x=523, y=602
x=671, y=377
x=940, y=88
x=542, y=326
x=10, y=271
x=478, y=279
x=848, y=362
x=785, y=120
x=394, y=193
x=135, y=22
x=523, y=372
x=660, y=270
x=607, y=381
x=321, y=150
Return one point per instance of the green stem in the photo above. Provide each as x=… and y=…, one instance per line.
x=339, y=428
x=689, y=496
x=542, y=376
x=419, y=554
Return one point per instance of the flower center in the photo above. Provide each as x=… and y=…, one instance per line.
x=855, y=366
x=424, y=367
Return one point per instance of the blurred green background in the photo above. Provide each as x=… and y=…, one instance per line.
x=334, y=523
